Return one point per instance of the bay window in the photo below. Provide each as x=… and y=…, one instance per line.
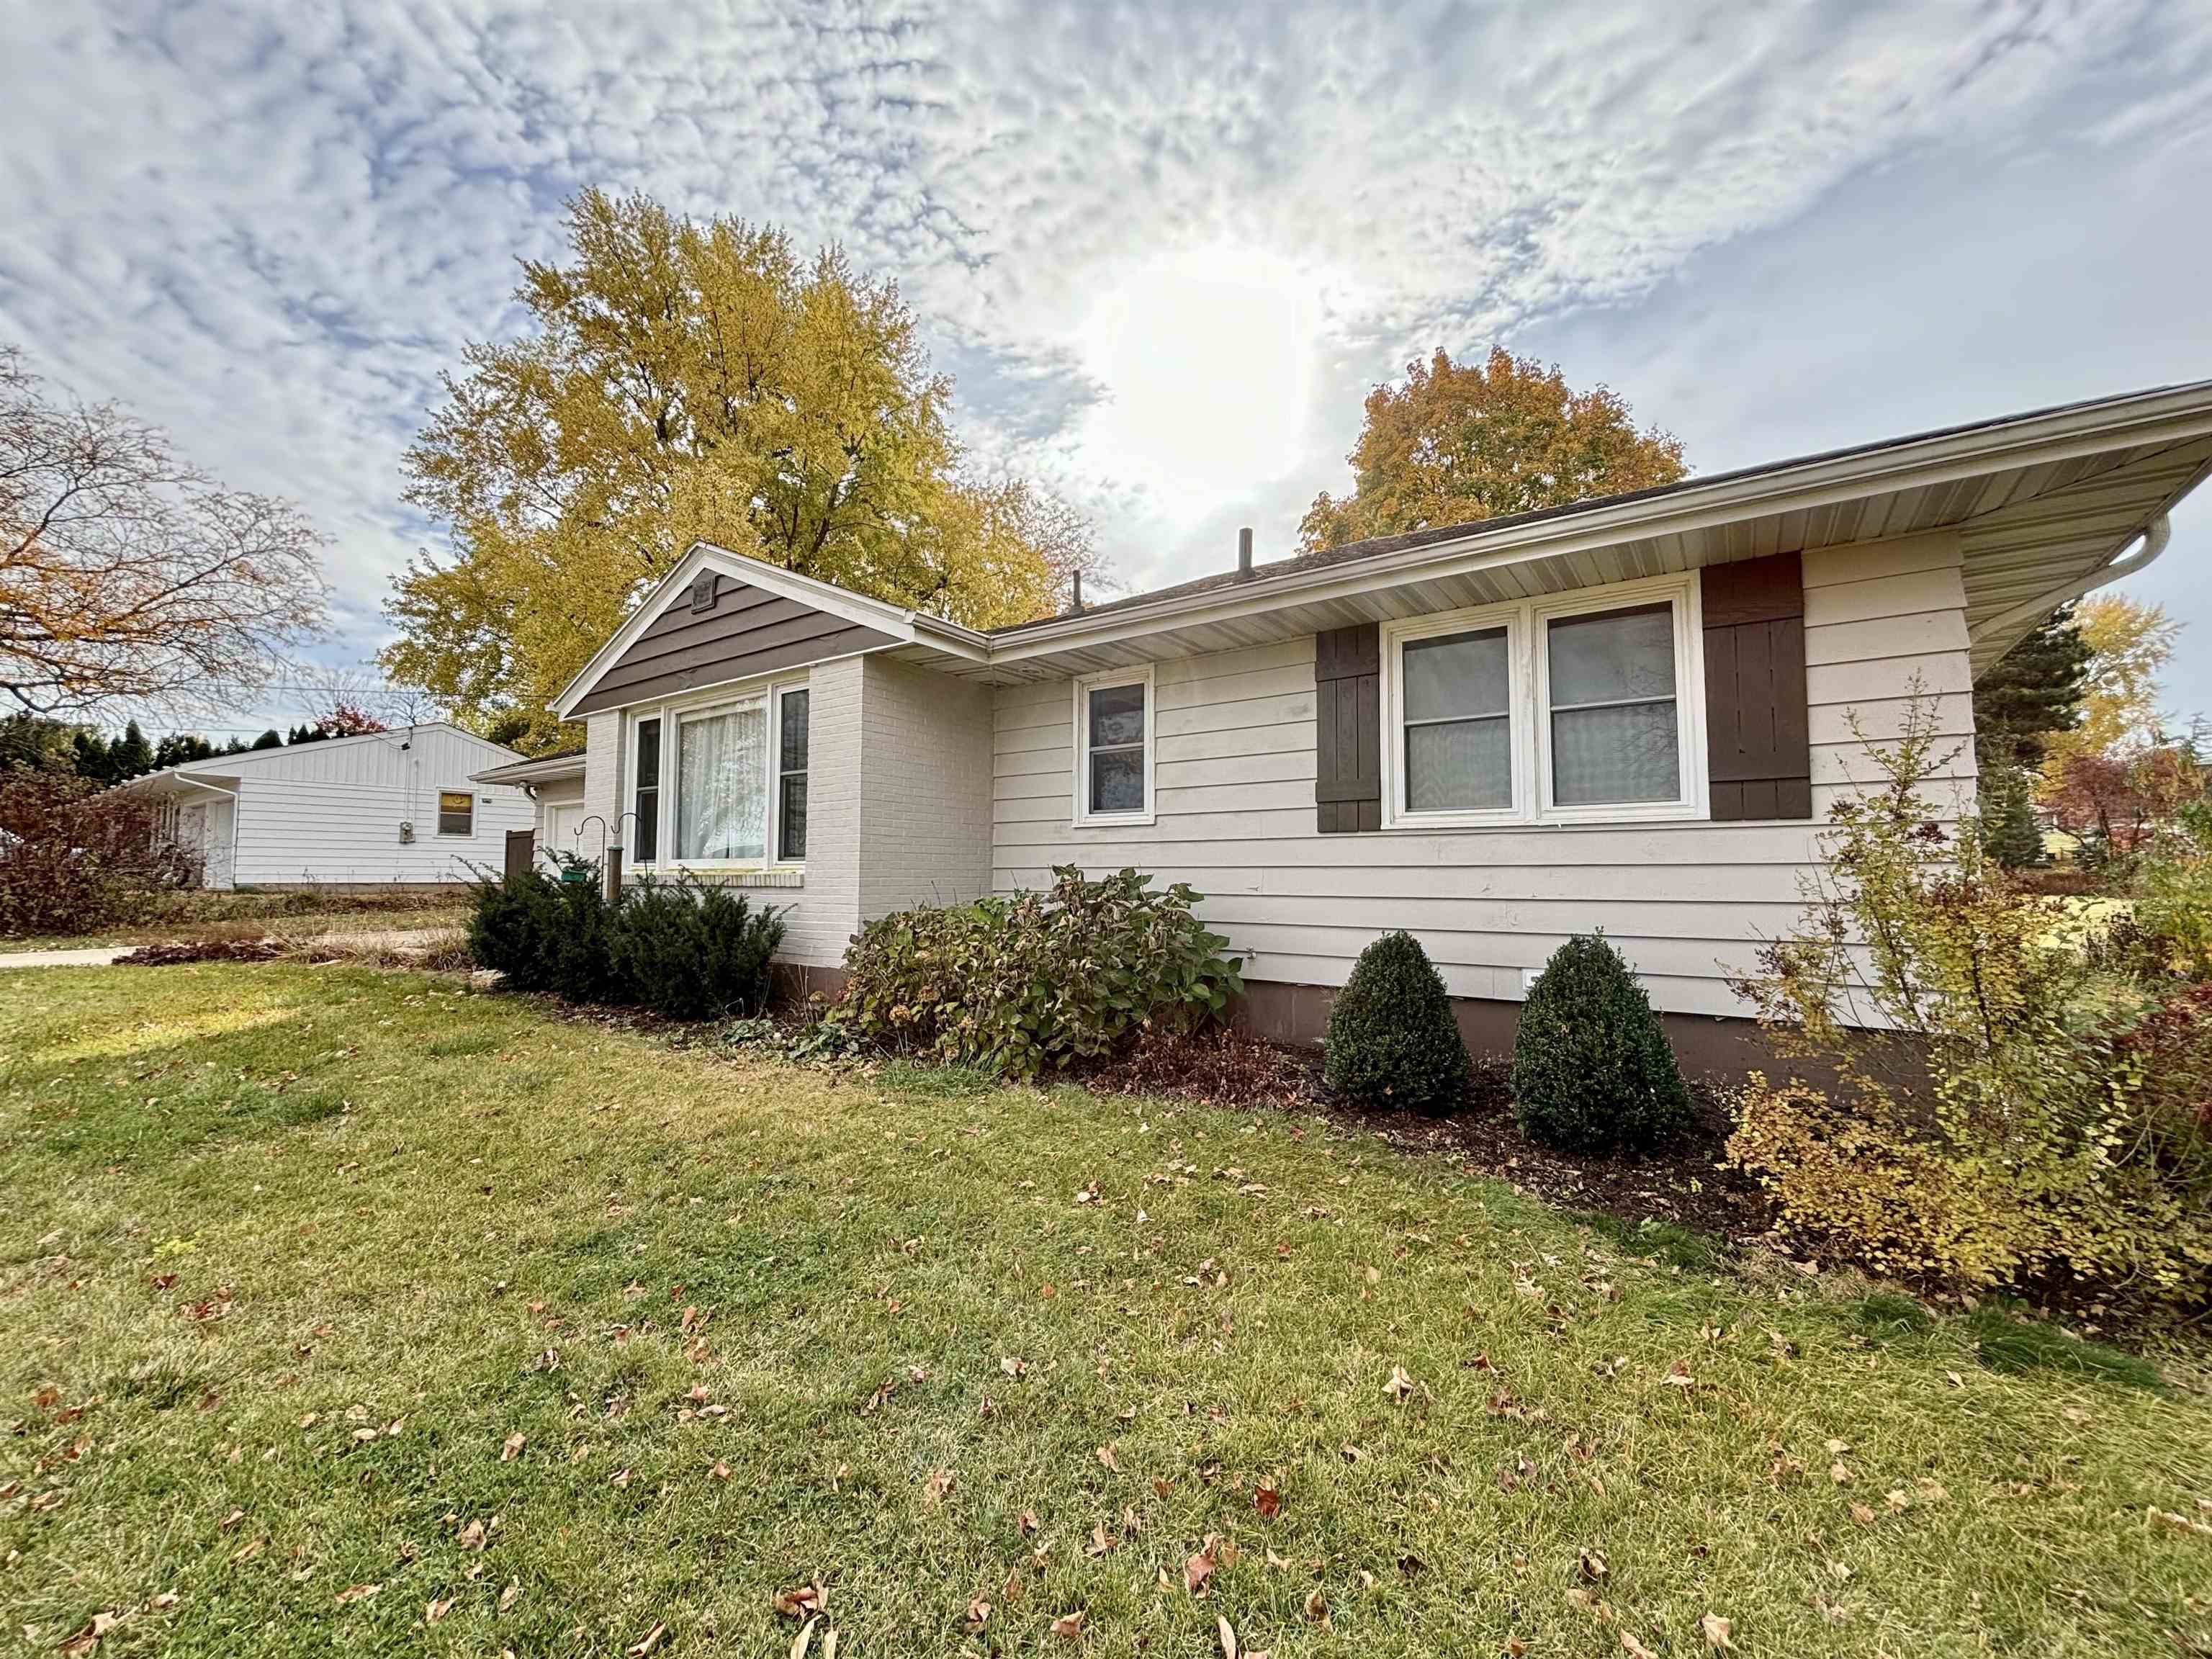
x=1583, y=706
x=722, y=782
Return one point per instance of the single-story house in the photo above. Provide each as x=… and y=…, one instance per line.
x=383, y=809
x=1629, y=714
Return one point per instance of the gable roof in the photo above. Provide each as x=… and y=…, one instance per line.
x=2044, y=502
x=893, y=625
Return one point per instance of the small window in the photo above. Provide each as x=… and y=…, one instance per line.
x=791, y=777
x=645, y=835
x=1114, y=763
x=1615, y=735
x=457, y=812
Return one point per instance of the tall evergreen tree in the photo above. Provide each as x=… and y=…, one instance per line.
x=271, y=738
x=2009, y=830
x=129, y=756
x=2034, y=689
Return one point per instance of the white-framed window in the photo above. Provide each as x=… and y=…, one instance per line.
x=457, y=812
x=719, y=782
x=1114, y=722
x=1579, y=708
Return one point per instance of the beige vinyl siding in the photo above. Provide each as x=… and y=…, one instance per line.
x=1687, y=902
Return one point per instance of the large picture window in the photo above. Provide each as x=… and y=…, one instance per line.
x=1114, y=747
x=1576, y=707
x=722, y=783
x=721, y=786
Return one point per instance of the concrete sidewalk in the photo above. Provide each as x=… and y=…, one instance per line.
x=99, y=956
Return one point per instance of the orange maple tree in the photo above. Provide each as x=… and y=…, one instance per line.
x=1462, y=442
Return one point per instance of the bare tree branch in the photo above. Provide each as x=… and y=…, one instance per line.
x=129, y=576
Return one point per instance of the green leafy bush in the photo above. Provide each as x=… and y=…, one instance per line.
x=1592, y=1072
x=1029, y=983
x=1392, y=1040
x=2057, y=1140
x=691, y=950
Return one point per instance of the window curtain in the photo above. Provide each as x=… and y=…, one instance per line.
x=721, y=788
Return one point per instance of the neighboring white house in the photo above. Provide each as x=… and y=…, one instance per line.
x=555, y=785
x=1632, y=714
x=387, y=808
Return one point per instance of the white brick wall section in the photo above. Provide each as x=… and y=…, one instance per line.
x=926, y=782
x=602, y=780
x=822, y=918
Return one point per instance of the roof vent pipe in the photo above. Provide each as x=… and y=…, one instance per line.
x=1075, y=604
x=1244, y=553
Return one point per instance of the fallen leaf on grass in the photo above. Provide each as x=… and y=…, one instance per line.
x=1267, y=1498
x=1635, y=1649
x=979, y=1614
x=934, y=1489
x=1027, y=1522
x=719, y=1471
x=647, y=1642
x=357, y=1593
x=437, y=1610
x=1401, y=1387
x=248, y=1550
x=1592, y=1563
x=1716, y=1631
x=1101, y=1542
x=507, y=1597
x=1068, y=1624
x=1105, y=1456
x=472, y=1536
x=512, y=1447
x=89, y=1638
x=1200, y=1566
x=230, y=1520
x=1316, y=1609
x=798, y=1602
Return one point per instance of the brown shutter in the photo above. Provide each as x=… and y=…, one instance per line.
x=1759, y=755
x=1348, y=730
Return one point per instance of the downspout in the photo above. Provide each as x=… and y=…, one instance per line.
x=2155, y=536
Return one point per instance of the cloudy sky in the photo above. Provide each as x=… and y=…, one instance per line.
x=1163, y=250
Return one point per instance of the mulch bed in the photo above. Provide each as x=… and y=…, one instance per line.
x=203, y=950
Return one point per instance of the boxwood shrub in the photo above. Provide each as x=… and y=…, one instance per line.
x=1592, y=1072
x=1392, y=1040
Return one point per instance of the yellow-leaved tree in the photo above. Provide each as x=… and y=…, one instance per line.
x=1463, y=441
x=2131, y=643
x=687, y=380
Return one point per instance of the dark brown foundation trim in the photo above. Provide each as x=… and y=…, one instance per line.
x=792, y=984
x=1705, y=1045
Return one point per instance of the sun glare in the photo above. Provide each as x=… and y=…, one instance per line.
x=1207, y=362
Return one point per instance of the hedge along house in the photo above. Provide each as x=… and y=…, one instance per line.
x=1631, y=713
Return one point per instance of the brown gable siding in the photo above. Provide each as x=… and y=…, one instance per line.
x=746, y=631
x=1757, y=746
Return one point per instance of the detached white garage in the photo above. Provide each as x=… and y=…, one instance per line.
x=384, y=809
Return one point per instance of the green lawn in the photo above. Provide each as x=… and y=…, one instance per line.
x=244, y=913
x=322, y=1279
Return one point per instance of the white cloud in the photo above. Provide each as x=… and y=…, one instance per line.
x=1165, y=249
